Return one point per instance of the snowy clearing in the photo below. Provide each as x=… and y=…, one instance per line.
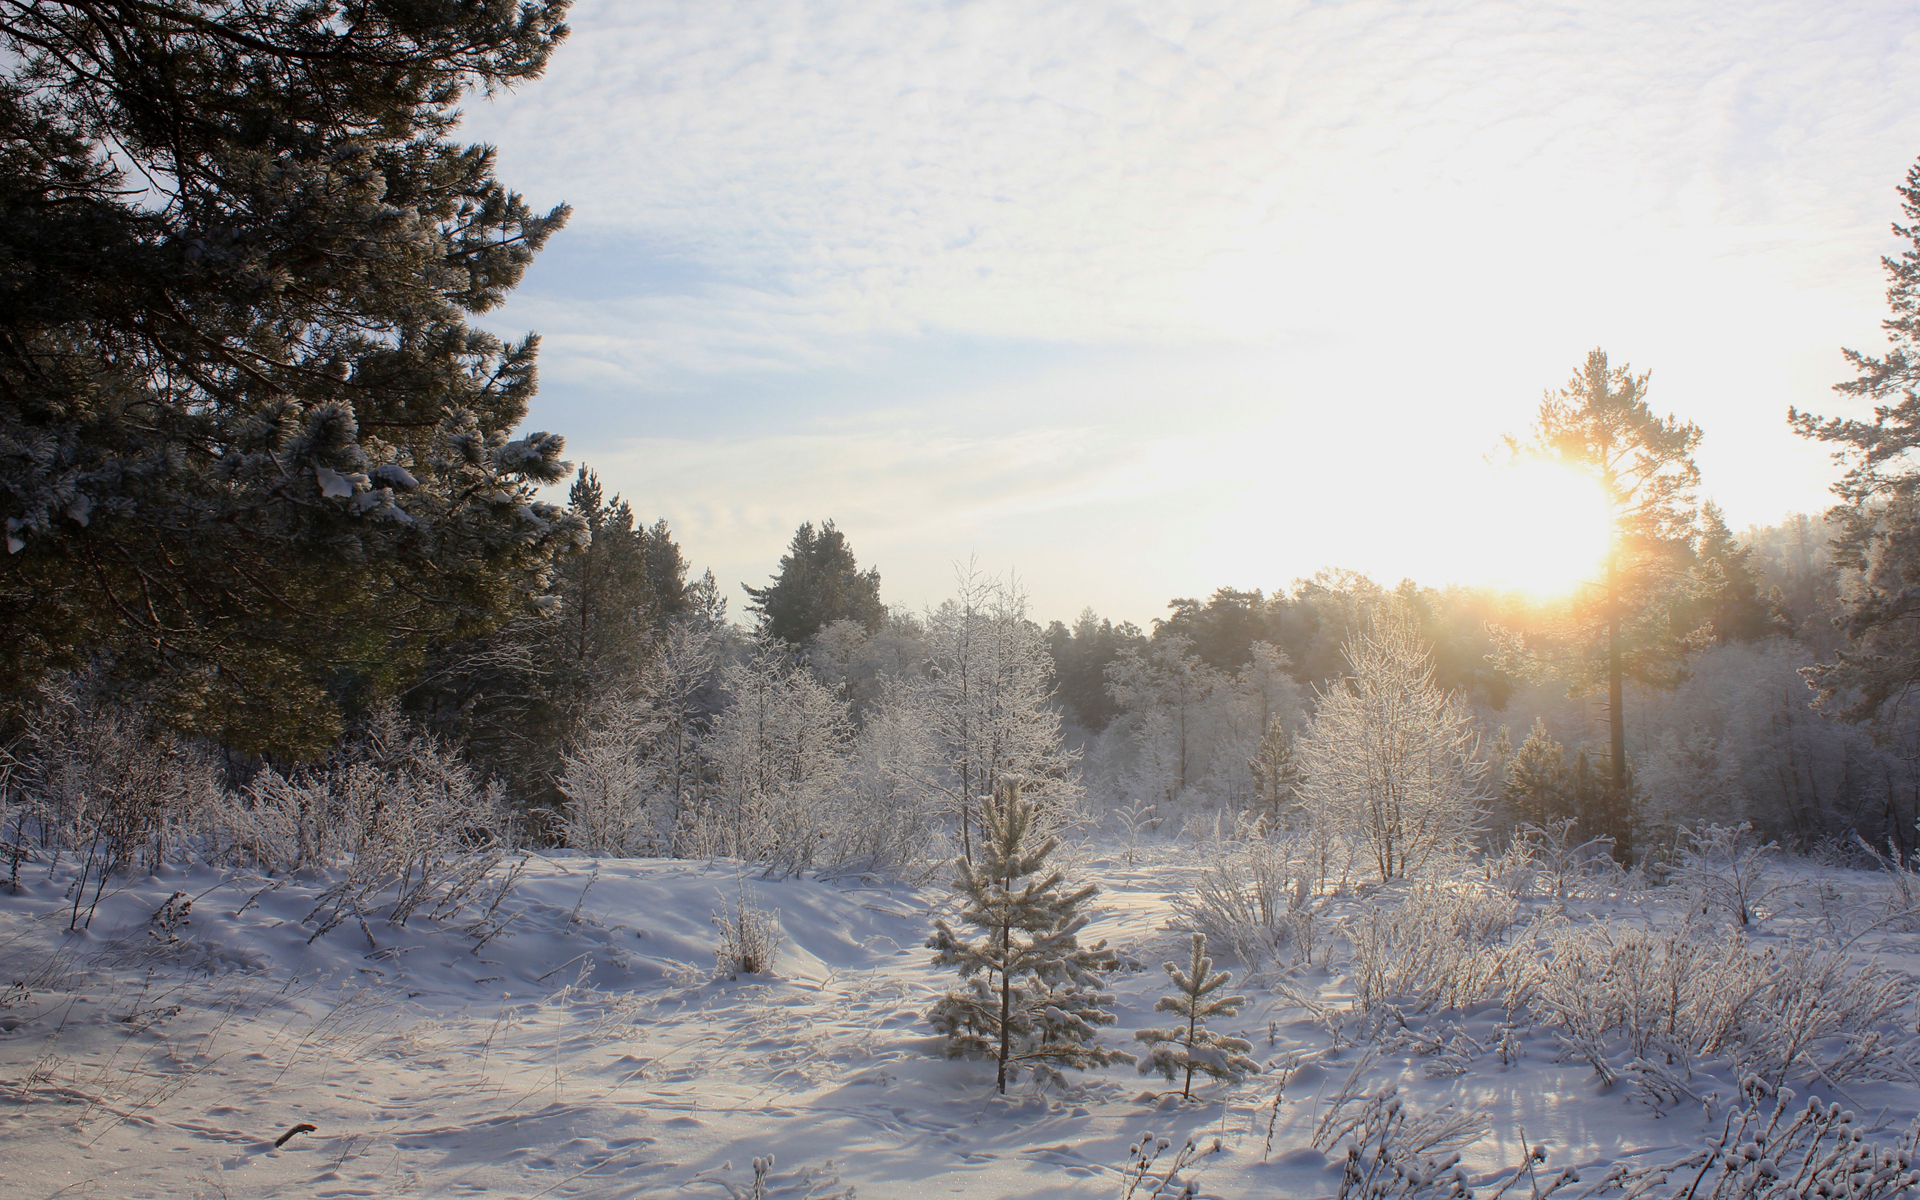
x=591, y=1049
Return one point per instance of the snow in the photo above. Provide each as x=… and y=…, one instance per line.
x=593, y=1050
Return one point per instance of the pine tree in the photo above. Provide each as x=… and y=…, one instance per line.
x=819, y=582
x=253, y=458
x=1193, y=1047
x=1629, y=624
x=1876, y=525
x=1031, y=996
x=1537, y=782
x=1276, y=773
x=1728, y=585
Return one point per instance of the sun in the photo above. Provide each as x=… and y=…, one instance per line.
x=1545, y=528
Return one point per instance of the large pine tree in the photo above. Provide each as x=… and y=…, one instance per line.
x=1631, y=622
x=252, y=457
x=1031, y=995
x=1877, y=522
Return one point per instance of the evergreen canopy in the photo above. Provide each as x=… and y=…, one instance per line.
x=819, y=583
x=1877, y=523
x=252, y=458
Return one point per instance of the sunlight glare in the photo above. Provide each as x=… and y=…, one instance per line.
x=1551, y=525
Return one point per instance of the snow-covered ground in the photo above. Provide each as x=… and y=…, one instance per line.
x=591, y=1050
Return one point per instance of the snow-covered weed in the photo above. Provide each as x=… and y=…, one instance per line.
x=749, y=938
x=1255, y=900
x=1616, y=995
x=1776, y=1152
x=1151, y=1174
x=1440, y=948
x=1393, y=1152
x=98, y=783
x=1726, y=871
x=807, y=1183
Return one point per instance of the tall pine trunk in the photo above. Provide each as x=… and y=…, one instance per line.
x=1616, y=723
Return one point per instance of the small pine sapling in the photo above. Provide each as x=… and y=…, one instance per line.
x=1032, y=996
x=1193, y=1047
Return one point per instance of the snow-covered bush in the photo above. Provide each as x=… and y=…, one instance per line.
x=1776, y=1152
x=1394, y=1152
x=1725, y=869
x=779, y=754
x=1616, y=996
x=1255, y=899
x=611, y=783
x=749, y=938
x=98, y=782
x=1440, y=948
x=1390, y=758
x=891, y=809
x=403, y=820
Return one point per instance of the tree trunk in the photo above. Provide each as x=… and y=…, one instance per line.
x=1006, y=1040
x=1616, y=724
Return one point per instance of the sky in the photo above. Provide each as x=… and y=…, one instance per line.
x=1139, y=300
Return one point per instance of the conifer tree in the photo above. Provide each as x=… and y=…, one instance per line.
x=1193, y=1047
x=1630, y=623
x=1728, y=585
x=819, y=583
x=254, y=460
x=1876, y=525
x=1537, y=778
x=1031, y=992
x=1276, y=772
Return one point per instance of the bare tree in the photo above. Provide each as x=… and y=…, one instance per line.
x=988, y=696
x=1390, y=757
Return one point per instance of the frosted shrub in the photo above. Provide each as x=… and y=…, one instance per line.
x=610, y=783
x=1390, y=757
x=1568, y=863
x=780, y=754
x=1394, y=1152
x=1726, y=871
x=1440, y=948
x=889, y=818
x=1255, y=900
x=749, y=938
x=1776, y=1152
x=1618, y=997
x=96, y=781
x=404, y=820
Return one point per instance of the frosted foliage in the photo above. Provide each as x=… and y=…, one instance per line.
x=894, y=805
x=404, y=820
x=1728, y=872
x=1637, y=1004
x=1390, y=758
x=630, y=779
x=1738, y=741
x=779, y=755
x=1254, y=901
x=987, y=697
x=1191, y=736
x=610, y=782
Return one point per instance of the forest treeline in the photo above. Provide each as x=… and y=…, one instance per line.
x=269, y=506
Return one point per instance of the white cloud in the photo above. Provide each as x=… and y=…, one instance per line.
x=1395, y=222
